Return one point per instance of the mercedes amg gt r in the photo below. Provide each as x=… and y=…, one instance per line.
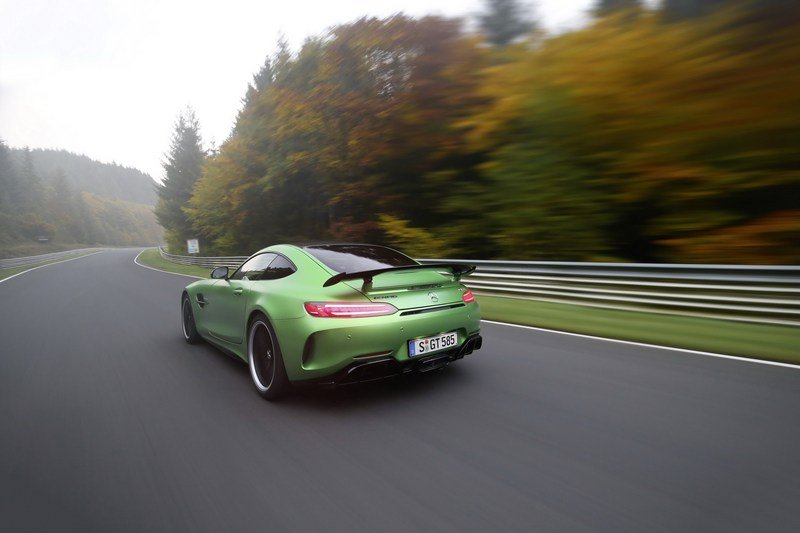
x=333, y=314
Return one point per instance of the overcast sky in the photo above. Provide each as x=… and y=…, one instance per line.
x=107, y=78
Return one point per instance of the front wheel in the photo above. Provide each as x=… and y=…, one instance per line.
x=190, y=333
x=265, y=360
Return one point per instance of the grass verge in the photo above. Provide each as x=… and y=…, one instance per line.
x=760, y=341
x=6, y=272
x=152, y=258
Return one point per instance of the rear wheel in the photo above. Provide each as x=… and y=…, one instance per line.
x=190, y=333
x=265, y=360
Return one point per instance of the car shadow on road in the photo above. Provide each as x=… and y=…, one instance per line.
x=407, y=388
x=453, y=379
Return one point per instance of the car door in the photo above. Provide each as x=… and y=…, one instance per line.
x=226, y=300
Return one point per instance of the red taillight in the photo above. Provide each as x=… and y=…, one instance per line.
x=468, y=297
x=348, y=310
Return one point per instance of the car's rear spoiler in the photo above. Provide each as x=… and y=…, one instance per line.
x=457, y=269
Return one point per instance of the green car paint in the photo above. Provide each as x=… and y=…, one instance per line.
x=428, y=302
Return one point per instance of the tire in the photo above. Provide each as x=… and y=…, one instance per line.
x=188, y=325
x=265, y=360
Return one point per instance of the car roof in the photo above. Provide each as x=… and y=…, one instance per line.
x=312, y=244
x=327, y=243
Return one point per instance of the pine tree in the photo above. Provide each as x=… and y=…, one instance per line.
x=182, y=168
x=686, y=9
x=7, y=178
x=607, y=7
x=504, y=21
x=30, y=186
x=264, y=76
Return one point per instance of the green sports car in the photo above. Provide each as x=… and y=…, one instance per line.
x=333, y=313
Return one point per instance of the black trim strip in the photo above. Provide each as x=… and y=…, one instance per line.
x=458, y=270
x=430, y=309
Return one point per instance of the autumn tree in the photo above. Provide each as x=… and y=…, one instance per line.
x=662, y=116
x=339, y=133
x=632, y=138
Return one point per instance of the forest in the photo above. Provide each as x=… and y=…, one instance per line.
x=666, y=133
x=52, y=199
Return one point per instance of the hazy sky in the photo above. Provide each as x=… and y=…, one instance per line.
x=107, y=78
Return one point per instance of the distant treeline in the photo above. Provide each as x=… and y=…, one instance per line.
x=668, y=134
x=84, y=174
x=60, y=197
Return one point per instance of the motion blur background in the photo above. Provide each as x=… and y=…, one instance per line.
x=631, y=131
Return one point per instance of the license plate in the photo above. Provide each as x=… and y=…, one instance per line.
x=428, y=345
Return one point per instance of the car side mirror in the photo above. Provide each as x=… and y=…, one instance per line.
x=219, y=273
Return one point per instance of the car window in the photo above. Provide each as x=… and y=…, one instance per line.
x=358, y=257
x=279, y=268
x=254, y=267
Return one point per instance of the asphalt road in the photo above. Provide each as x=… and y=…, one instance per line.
x=111, y=422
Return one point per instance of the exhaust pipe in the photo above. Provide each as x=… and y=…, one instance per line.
x=472, y=343
x=466, y=348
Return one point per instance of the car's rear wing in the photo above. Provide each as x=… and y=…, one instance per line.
x=457, y=269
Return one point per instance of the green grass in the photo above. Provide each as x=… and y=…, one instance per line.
x=7, y=272
x=152, y=258
x=762, y=341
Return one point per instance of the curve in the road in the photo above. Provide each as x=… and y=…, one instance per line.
x=111, y=422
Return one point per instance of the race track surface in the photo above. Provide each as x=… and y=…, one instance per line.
x=111, y=422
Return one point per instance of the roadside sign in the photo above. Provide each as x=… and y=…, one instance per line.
x=193, y=245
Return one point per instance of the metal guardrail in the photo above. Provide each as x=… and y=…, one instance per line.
x=759, y=294
x=15, y=262
x=208, y=262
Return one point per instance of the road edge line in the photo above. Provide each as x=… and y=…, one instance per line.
x=646, y=345
x=136, y=260
x=49, y=264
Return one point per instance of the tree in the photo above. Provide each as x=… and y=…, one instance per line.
x=607, y=7
x=7, y=178
x=505, y=21
x=182, y=169
x=29, y=187
x=345, y=129
x=770, y=13
x=629, y=138
x=264, y=76
x=676, y=10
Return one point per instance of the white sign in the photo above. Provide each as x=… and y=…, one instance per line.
x=193, y=245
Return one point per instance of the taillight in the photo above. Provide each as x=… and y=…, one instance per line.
x=348, y=310
x=468, y=297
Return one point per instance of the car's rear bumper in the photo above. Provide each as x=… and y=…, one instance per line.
x=323, y=347
x=386, y=366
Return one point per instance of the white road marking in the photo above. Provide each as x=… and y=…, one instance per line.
x=47, y=265
x=136, y=260
x=645, y=345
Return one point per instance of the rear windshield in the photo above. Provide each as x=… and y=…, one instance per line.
x=358, y=257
